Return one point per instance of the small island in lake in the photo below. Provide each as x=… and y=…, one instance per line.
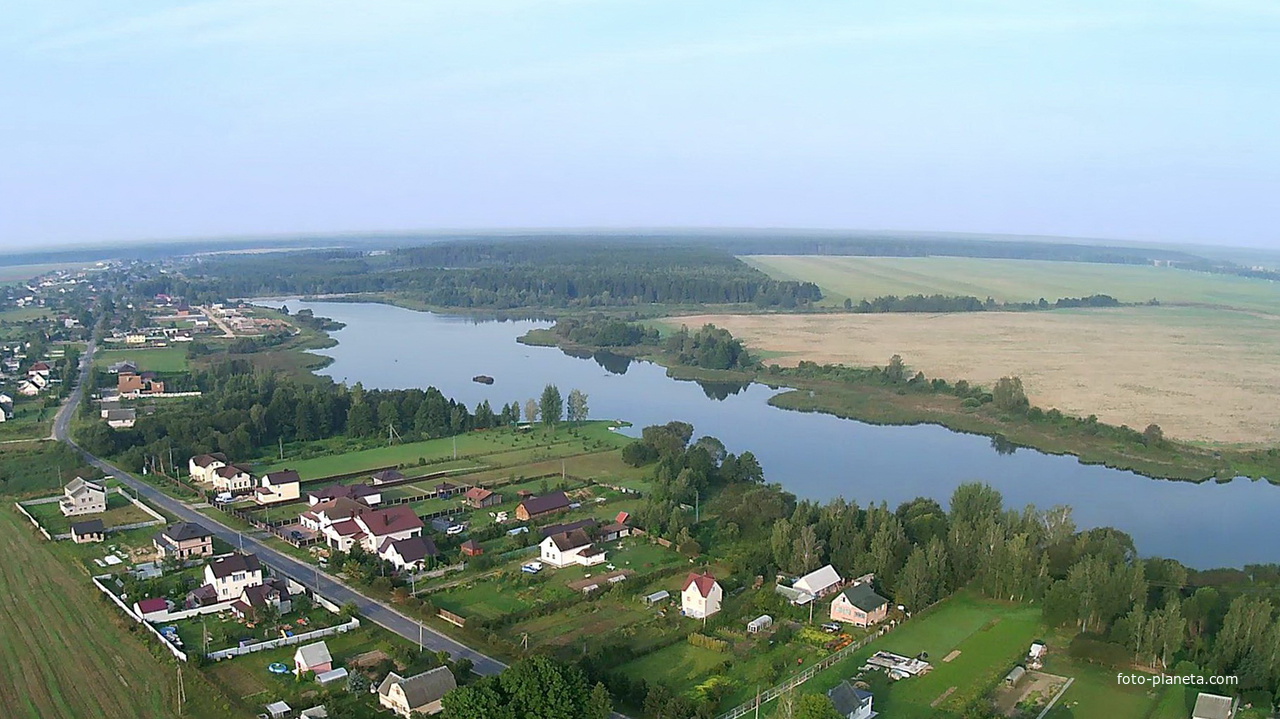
x=482, y=379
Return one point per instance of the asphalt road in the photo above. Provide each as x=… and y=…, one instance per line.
x=325, y=584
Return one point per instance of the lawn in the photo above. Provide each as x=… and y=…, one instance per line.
x=1095, y=692
x=490, y=599
x=1017, y=280
x=991, y=637
x=76, y=659
x=581, y=622
x=162, y=360
x=24, y=314
x=559, y=442
x=30, y=420
x=225, y=630
x=120, y=511
x=680, y=666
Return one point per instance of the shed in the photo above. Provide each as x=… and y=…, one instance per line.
x=1012, y=678
x=313, y=658
x=314, y=713
x=278, y=710
x=660, y=596
x=759, y=624
x=326, y=678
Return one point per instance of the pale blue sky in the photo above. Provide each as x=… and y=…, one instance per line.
x=1155, y=120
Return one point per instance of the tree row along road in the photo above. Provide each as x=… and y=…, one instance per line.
x=324, y=584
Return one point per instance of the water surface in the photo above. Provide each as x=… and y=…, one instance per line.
x=813, y=455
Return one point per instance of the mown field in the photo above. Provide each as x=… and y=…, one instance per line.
x=163, y=359
x=68, y=655
x=860, y=278
x=1203, y=375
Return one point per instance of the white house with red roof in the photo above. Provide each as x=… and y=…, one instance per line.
x=701, y=595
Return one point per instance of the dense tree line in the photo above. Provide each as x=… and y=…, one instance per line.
x=500, y=275
x=710, y=348
x=241, y=413
x=954, y=303
x=599, y=331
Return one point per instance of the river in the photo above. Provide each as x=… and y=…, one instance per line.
x=815, y=456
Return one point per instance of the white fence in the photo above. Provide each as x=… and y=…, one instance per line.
x=284, y=641
x=27, y=514
x=97, y=582
x=188, y=613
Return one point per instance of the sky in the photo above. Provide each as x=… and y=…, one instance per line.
x=1128, y=119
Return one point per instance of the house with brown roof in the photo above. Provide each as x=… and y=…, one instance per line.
x=202, y=466
x=701, y=595
x=229, y=576
x=411, y=553
x=386, y=475
x=363, y=493
x=393, y=523
x=183, y=540
x=282, y=486
x=420, y=694
x=322, y=515
x=542, y=506
x=471, y=548
x=232, y=478
x=566, y=548
x=255, y=599
x=479, y=498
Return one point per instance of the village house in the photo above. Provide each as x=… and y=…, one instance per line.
x=39, y=368
x=230, y=575
x=860, y=606
x=81, y=496
x=541, y=506
x=819, y=582
x=583, y=524
x=201, y=467
x=851, y=702
x=312, y=658
x=617, y=529
x=421, y=693
x=28, y=388
x=363, y=493
x=471, y=548
x=411, y=553
x=92, y=530
x=391, y=524
x=323, y=515
x=480, y=498
x=129, y=384
x=182, y=541
x=566, y=548
x=700, y=597
x=121, y=418
x=254, y=599
x=232, y=478
x=386, y=475
x=151, y=609
x=1213, y=706
x=282, y=486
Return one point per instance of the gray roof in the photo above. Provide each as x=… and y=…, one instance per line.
x=230, y=564
x=121, y=414
x=313, y=654
x=847, y=698
x=80, y=484
x=183, y=531
x=93, y=526
x=864, y=597
x=423, y=688
x=1212, y=706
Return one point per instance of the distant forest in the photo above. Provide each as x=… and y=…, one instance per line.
x=500, y=275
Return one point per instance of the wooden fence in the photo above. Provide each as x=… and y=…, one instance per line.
x=454, y=619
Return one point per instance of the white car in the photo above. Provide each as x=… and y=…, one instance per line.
x=456, y=529
x=531, y=567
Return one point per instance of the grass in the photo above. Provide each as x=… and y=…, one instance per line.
x=24, y=314
x=679, y=666
x=1095, y=692
x=991, y=636
x=163, y=360
x=489, y=599
x=225, y=630
x=76, y=658
x=120, y=511
x=860, y=278
x=30, y=420
x=1134, y=366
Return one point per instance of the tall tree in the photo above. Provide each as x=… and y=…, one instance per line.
x=531, y=411
x=551, y=405
x=577, y=409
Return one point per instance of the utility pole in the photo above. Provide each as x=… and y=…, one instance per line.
x=455, y=446
x=281, y=438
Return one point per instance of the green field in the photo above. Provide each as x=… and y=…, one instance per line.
x=162, y=360
x=679, y=666
x=1095, y=692
x=860, y=278
x=991, y=637
x=70, y=655
x=24, y=314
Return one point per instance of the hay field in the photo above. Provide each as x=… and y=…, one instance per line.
x=1016, y=280
x=1203, y=375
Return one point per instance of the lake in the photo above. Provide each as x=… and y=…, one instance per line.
x=815, y=456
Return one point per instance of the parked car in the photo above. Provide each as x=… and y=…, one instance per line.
x=224, y=497
x=831, y=627
x=531, y=567
x=456, y=529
